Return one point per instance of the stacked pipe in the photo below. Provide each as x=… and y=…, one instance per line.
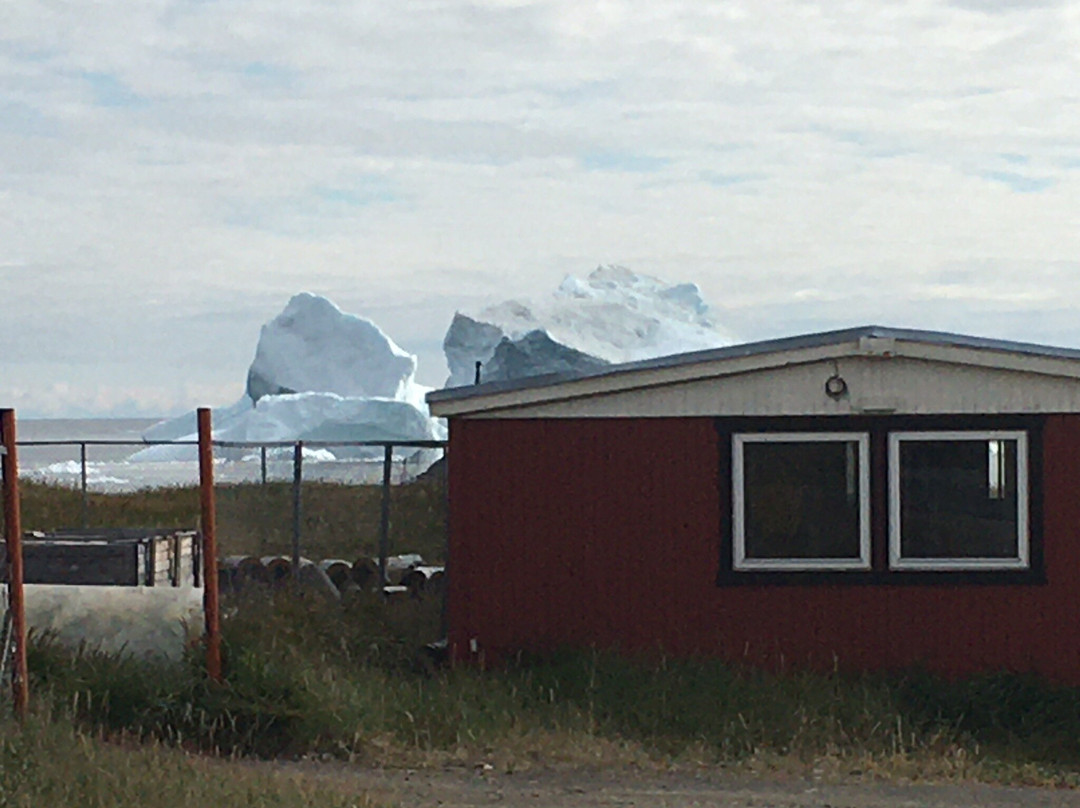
x=406, y=575
x=364, y=572
x=279, y=568
x=424, y=579
x=239, y=572
x=337, y=570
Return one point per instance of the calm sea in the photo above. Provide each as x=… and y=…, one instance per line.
x=76, y=429
x=108, y=469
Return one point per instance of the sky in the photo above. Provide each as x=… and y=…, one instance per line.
x=173, y=171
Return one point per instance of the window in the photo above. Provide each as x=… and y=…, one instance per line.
x=801, y=501
x=958, y=500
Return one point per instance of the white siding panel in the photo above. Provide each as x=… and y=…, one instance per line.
x=875, y=384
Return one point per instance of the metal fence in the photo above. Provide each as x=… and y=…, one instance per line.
x=376, y=465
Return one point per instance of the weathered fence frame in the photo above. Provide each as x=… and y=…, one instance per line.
x=13, y=544
x=297, y=474
x=208, y=531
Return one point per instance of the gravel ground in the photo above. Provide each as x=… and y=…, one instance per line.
x=576, y=789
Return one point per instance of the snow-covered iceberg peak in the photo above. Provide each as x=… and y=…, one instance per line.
x=313, y=346
x=612, y=315
x=319, y=374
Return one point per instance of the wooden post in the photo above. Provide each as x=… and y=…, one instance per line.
x=262, y=464
x=13, y=534
x=209, y=547
x=384, y=520
x=297, y=482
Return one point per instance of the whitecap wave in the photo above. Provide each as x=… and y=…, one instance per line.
x=72, y=468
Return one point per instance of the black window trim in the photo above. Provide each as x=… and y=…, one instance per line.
x=880, y=574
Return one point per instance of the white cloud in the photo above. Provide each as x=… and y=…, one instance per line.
x=170, y=173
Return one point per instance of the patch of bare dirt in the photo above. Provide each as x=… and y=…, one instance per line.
x=465, y=788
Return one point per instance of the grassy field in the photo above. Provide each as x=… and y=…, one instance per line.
x=337, y=521
x=339, y=679
x=305, y=677
x=49, y=762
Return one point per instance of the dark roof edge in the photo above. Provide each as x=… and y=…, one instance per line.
x=797, y=342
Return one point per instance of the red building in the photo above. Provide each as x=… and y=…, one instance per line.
x=868, y=499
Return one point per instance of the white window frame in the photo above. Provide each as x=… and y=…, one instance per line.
x=1021, y=561
x=738, y=511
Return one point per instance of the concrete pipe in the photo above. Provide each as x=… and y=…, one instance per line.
x=393, y=594
x=338, y=570
x=248, y=566
x=436, y=582
x=278, y=568
x=414, y=581
x=419, y=579
x=398, y=566
x=314, y=580
x=364, y=572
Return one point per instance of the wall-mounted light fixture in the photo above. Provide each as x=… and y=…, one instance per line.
x=835, y=386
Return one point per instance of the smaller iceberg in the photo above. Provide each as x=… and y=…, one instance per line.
x=613, y=315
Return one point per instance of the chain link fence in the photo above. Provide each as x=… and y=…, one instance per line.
x=349, y=512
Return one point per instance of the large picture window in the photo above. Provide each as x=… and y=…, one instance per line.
x=958, y=500
x=801, y=501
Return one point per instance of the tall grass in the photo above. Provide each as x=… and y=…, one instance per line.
x=48, y=762
x=307, y=677
x=337, y=520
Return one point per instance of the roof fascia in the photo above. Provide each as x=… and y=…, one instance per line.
x=631, y=379
x=995, y=359
x=864, y=346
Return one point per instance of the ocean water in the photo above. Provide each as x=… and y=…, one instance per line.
x=76, y=429
x=108, y=468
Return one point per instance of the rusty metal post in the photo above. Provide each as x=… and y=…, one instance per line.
x=297, y=482
x=384, y=520
x=82, y=482
x=209, y=547
x=13, y=534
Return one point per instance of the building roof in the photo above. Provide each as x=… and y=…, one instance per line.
x=871, y=340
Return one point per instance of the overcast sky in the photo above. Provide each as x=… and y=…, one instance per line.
x=172, y=172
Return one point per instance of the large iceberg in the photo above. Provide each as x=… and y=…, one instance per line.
x=312, y=346
x=318, y=374
x=613, y=315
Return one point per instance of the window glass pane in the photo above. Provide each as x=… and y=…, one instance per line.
x=801, y=499
x=958, y=499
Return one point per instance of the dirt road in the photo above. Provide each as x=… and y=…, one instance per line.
x=466, y=789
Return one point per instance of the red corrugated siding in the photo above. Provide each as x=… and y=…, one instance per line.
x=606, y=532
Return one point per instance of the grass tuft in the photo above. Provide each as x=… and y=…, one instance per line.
x=48, y=762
